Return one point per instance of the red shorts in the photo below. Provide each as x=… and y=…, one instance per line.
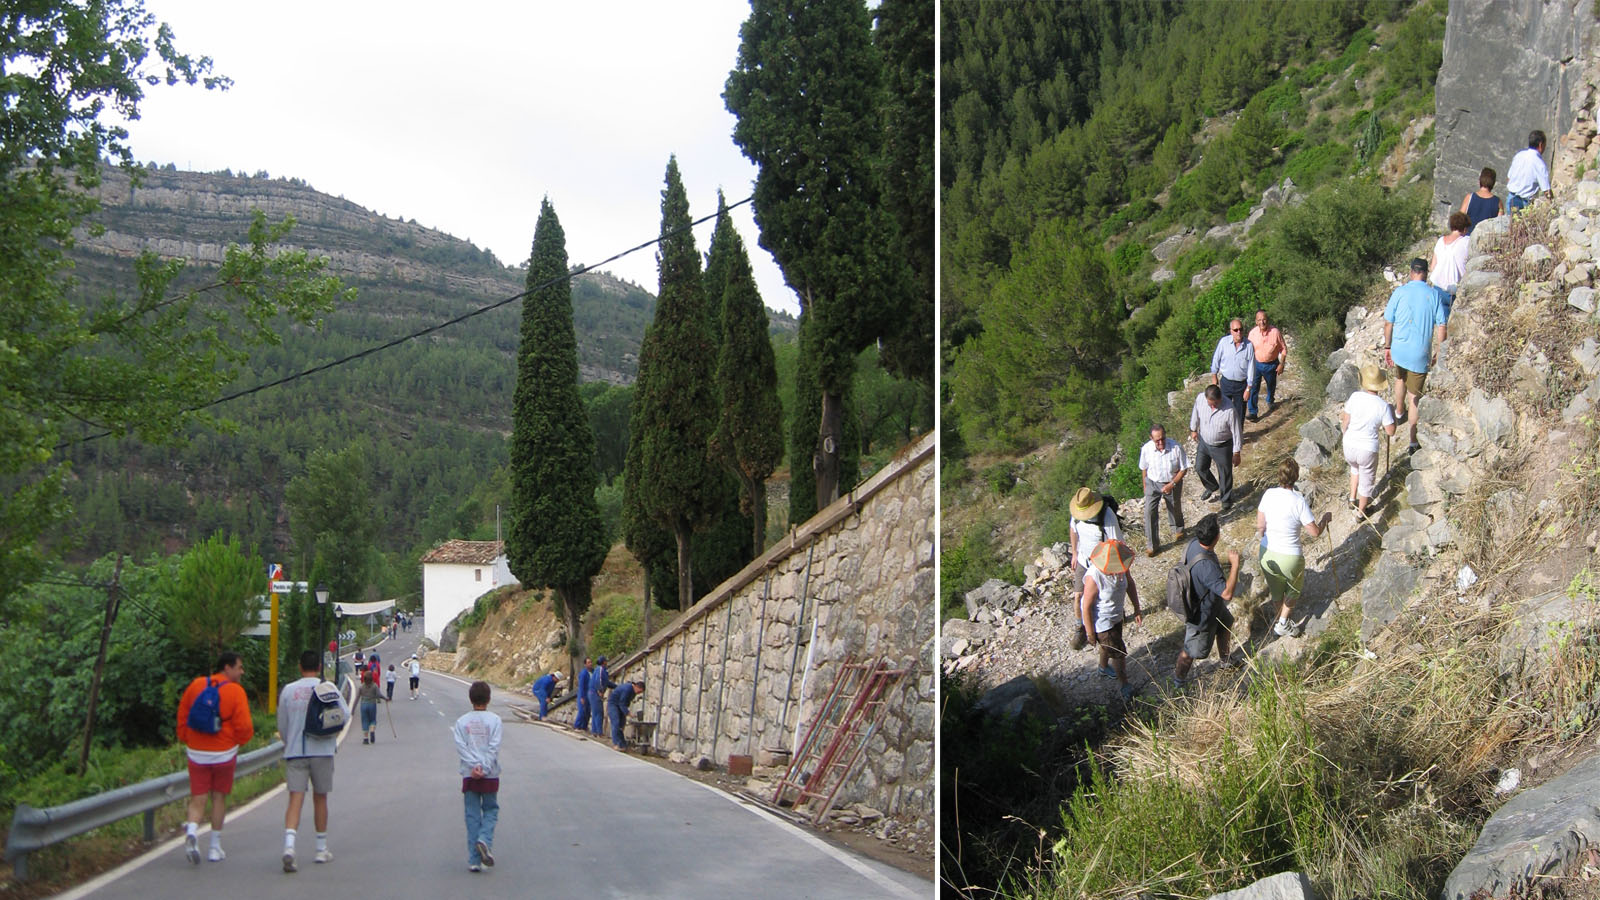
x=211, y=779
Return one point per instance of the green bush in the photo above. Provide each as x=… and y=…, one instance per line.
x=618, y=629
x=1314, y=165
x=1001, y=477
x=968, y=564
x=1127, y=258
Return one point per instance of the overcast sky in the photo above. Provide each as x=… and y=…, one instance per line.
x=462, y=116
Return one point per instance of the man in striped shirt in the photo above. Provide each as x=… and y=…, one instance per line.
x=1215, y=428
x=1163, y=464
x=1231, y=363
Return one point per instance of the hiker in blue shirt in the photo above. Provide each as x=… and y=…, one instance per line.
x=585, y=674
x=598, y=683
x=1212, y=620
x=1231, y=365
x=1413, y=329
x=542, y=689
x=617, y=708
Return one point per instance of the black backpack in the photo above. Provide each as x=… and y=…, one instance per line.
x=1182, y=598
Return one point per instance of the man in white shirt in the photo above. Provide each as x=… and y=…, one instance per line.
x=1528, y=175
x=1163, y=463
x=307, y=759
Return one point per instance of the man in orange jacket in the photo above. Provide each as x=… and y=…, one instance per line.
x=213, y=749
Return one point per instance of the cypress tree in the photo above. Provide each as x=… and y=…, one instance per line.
x=806, y=91
x=674, y=407
x=905, y=38
x=556, y=538
x=748, y=440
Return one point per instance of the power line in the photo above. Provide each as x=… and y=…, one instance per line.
x=379, y=348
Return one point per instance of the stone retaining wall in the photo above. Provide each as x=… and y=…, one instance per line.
x=747, y=666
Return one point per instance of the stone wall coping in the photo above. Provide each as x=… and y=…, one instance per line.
x=798, y=538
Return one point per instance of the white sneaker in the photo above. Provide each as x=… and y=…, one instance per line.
x=191, y=848
x=1281, y=628
x=288, y=862
x=474, y=867
x=216, y=855
x=483, y=852
x=323, y=856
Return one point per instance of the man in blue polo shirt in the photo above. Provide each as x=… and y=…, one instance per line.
x=1231, y=364
x=1413, y=329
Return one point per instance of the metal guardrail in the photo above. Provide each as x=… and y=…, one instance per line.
x=35, y=829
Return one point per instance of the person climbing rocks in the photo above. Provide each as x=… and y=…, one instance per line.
x=1280, y=516
x=1364, y=415
x=1107, y=583
x=1528, y=174
x=1211, y=622
x=1093, y=520
x=1163, y=464
x=1413, y=331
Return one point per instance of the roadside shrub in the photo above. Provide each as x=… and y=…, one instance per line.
x=618, y=631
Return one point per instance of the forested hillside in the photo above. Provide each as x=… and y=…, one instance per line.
x=431, y=414
x=1119, y=180
x=1079, y=137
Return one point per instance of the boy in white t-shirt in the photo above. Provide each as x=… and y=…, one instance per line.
x=1093, y=521
x=1364, y=415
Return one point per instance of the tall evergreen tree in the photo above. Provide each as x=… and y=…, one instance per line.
x=556, y=539
x=674, y=408
x=905, y=38
x=806, y=91
x=749, y=439
x=333, y=519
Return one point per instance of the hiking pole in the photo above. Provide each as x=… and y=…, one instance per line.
x=390, y=714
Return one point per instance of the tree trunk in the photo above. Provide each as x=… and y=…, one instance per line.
x=756, y=490
x=826, y=462
x=685, y=578
x=571, y=611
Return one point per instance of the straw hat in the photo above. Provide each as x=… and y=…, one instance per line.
x=1373, y=378
x=1086, y=504
x=1111, y=557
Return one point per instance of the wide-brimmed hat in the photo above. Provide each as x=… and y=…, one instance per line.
x=1373, y=378
x=1086, y=504
x=1111, y=557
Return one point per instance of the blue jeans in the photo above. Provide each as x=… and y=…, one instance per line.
x=597, y=714
x=1515, y=203
x=483, y=811
x=1263, y=371
x=617, y=715
x=369, y=716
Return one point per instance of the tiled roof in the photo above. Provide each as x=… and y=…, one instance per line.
x=469, y=553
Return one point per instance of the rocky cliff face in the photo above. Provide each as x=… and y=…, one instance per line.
x=1510, y=66
x=194, y=216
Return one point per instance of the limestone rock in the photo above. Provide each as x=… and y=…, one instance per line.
x=1587, y=356
x=1540, y=832
x=1582, y=299
x=964, y=629
x=1534, y=254
x=1386, y=592
x=1586, y=195
x=1163, y=275
x=1321, y=432
x=1539, y=625
x=1254, y=217
x=1017, y=697
x=1310, y=455
x=1282, y=886
x=1345, y=381
x=1479, y=280
x=1496, y=423
x=995, y=594
x=1206, y=277
x=1355, y=317
x=1172, y=246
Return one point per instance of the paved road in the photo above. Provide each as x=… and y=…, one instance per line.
x=577, y=819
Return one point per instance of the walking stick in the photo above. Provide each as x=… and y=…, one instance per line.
x=387, y=712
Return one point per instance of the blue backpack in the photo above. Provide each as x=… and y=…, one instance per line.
x=205, y=713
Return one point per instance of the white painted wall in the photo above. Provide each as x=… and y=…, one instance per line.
x=450, y=588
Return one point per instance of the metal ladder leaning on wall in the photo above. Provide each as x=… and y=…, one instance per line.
x=838, y=735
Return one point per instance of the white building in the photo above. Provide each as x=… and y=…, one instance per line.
x=454, y=575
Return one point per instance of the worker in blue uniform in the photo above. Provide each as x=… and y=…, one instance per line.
x=585, y=675
x=617, y=708
x=599, y=683
x=542, y=689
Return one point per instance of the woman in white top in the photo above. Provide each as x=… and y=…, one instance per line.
x=1364, y=414
x=1279, y=518
x=1106, y=582
x=1092, y=522
x=1447, y=264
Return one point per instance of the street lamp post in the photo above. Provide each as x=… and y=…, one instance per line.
x=322, y=624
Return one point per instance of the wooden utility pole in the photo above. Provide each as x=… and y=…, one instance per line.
x=113, y=601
